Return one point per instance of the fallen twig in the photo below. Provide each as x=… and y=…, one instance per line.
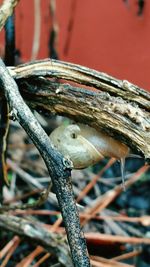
x=98, y=238
x=35, y=232
x=104, y=200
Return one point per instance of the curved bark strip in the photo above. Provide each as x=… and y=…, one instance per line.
x=119, y=108
x=82, y=75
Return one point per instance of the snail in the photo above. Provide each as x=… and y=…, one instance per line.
x=85, y=146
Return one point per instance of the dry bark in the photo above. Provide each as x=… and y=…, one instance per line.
x=58, y=167
x=35, y=232
x=119, y=108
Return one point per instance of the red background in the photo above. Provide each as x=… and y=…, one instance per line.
x=105, y=35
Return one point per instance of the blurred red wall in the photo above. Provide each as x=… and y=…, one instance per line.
x=104, y=35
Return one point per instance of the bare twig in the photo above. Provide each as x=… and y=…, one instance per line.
x=58, y=167
x=37, y=29
x=11, y=251
x=86, y=190
x=9, y=245
x=37, y=233
x=128, y=255
x=94, y=180
x=102, y=262
x=41, y=260
x=25, y=262
x=6, y=10
x=104, y=200
x=116, y=238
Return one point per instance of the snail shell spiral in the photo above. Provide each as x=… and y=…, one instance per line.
x=85, y=146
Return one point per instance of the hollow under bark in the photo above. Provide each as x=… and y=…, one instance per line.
x=117, y=107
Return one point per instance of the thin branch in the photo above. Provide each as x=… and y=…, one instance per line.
x=58, y=167
x=6, y=10
x=37, y=29
x=10, y=252
x=103, y=201
x=102, y=262
x=35, y=232
x=99, y=238
x=9, y=245
x=27, y=261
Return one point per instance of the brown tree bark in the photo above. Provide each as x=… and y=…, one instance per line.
x=117, y=107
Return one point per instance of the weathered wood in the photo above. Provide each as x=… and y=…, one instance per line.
x=118, y=107
x=58, y=167
x=82, y=75
x=35, y=232
x=123, y=120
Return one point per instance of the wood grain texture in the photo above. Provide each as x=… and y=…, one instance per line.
x=119, y=108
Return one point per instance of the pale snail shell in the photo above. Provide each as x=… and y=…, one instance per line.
x=85, y=146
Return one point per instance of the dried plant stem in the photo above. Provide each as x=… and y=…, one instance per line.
x=6, y=10
x=58, y=167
